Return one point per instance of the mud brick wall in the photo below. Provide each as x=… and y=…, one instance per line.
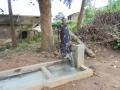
x=22, y=23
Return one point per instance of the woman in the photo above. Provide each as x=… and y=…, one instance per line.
x=64, y=37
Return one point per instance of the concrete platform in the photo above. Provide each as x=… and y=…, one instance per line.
x=47, y=76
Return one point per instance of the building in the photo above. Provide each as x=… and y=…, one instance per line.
x=24, y=26
x=73, y=16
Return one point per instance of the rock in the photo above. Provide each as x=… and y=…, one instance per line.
x=115, y=86
x=88, y=57
x=115, y=66
x=94, y=58
x=104, y=62
x=111, y=64
x=55, y=53
x=96, y=83
x=97, y=74
x=43, y=52
x=73, y=84
x=116, y=61
x=92, y=67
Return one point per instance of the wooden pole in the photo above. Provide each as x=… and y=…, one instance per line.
x=13, y=36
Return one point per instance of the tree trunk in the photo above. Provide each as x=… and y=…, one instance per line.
x=88, y=51
x=80, y=16
x=13, y=36
x=46, y=25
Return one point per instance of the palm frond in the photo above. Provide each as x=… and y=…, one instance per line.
x=67, y=2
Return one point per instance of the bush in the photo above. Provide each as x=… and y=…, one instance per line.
x=117, y=44
x=55, y=24
x=71, y=24
x=113, y=6
x=88, y=16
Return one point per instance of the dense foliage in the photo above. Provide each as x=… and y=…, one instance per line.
x=108, y=17
x=71, y=24
x=88, y=16
x=117, y=44
x=113, y=6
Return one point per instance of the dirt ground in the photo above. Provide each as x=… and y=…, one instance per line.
x=106, y=66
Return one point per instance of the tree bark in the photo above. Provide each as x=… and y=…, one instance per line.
x=46, y=25
x=13, y=35
x=80, y=16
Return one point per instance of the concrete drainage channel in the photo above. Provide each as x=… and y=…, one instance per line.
x=50, y=74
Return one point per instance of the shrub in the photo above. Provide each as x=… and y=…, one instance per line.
x=71, y=24
x=117, y=43
x=88, y=16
